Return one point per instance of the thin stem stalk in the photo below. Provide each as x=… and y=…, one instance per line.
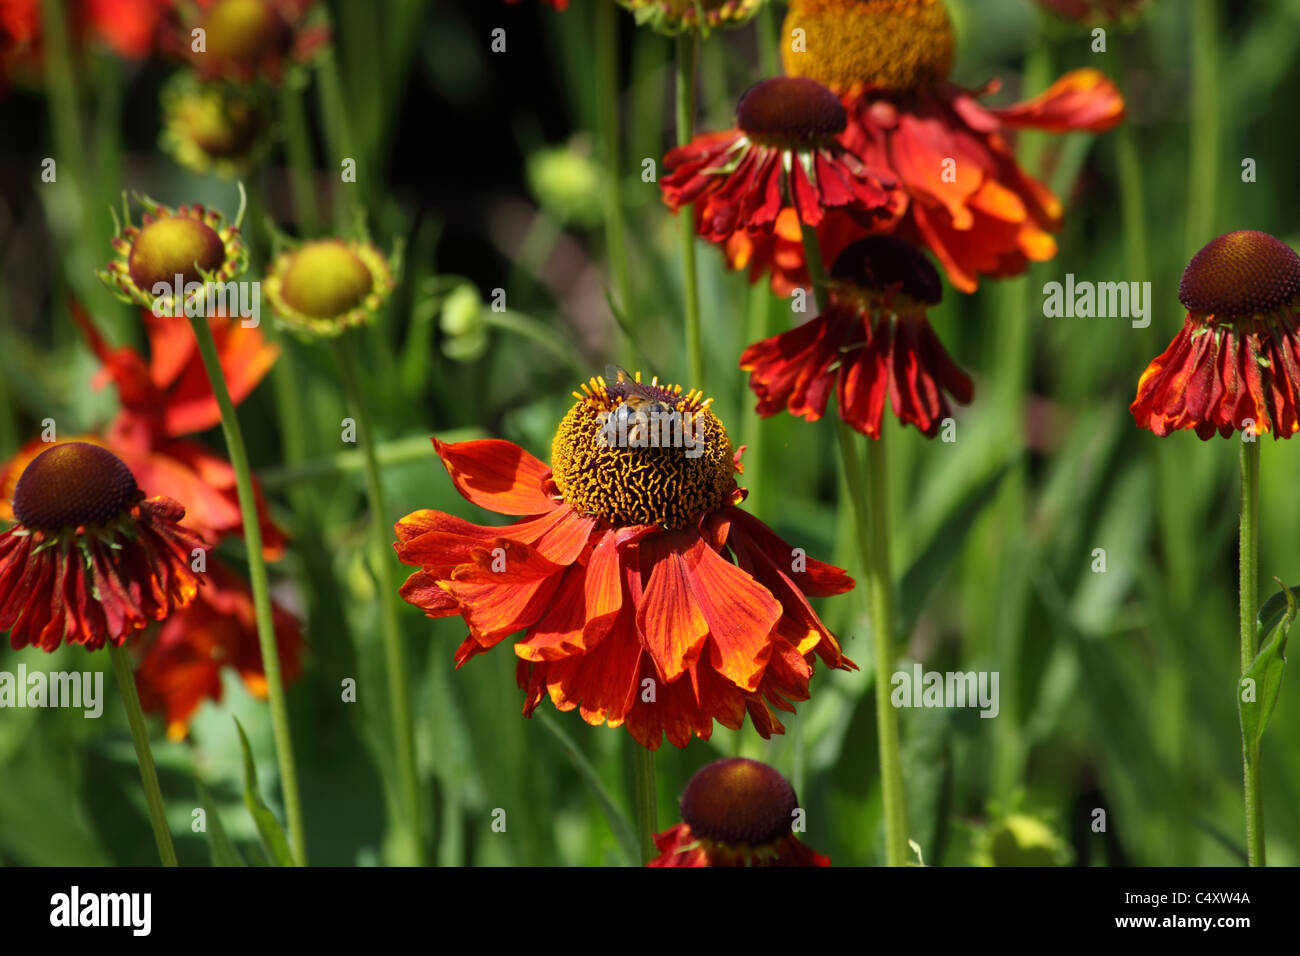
x=390, y=624
x=1206, y=122
x=872, y=526
x=686, y=74
x=143, y=754
x=1248, y=544
x=611, y=157
x=260, y=583
x=869, y=503
x=647, y=799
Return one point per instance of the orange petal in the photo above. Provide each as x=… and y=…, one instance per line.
x=503, y=590
x=497, y=475
x=671, y=624
x=1081, y=100
x=559, y=633
x=740, y=613
x=604, y=589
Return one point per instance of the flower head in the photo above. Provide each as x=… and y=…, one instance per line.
x=784, y=154
x=966, y=199
x=679, y=16
x=645, y=595
x=182, y=664
x=90, y=559
x=881, y=44
x=245, y=40
x=1236, y=363
x=214, y=127
x=736, y=812
x=192, y=242
x=327, y=286
x=127, y=27
x=872, y=340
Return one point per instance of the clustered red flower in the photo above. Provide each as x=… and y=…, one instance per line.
x=1235, y=366
x=164, y=400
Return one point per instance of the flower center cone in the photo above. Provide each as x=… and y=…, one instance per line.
x=73, y=485
x=666, y=468
x=1241, y=274
x=243, y=30
x=790, y=111
x=172, y=246
x=882, y=266
x=739, y=801
x=877, y=44
x=326, y=279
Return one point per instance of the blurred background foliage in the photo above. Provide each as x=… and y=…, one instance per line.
x=1116, y=687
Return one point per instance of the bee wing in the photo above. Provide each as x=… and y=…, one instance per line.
x=617, y=375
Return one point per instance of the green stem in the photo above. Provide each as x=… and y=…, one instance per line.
x=760, y=310
x=872, y=527
x=812, y=254
x=647, y=810
x=1132, y=200
x=611, y=154
x=76, y=175
x=1248, y=544
x=143, y=755
x=297, y=141
x=391, y=626
x=769, y=56
x=1205, y=126
x=686, y=54
x=348, y=202
x=61, y=86
x=261, y=587
x=871, y=524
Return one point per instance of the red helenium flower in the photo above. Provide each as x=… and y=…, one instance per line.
x=736, y=812
x=181, y=665
x=170, y=396
x=645, y=596
x=967, y=200
x=674, y=17
x=127, y=27
x=1235, y=366
x=248, y=39
x=872, y=340
x=784, y=155
x=90, y=559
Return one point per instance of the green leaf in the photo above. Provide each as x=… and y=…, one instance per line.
x=1271, y=611
x=1266, y=671
x=268, y=827
x=222, y=851
x=928, y=569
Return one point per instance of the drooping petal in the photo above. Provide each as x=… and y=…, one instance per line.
x=670, y=622
x=1083, y=99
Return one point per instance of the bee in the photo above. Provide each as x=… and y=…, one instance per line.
x=640, y=414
